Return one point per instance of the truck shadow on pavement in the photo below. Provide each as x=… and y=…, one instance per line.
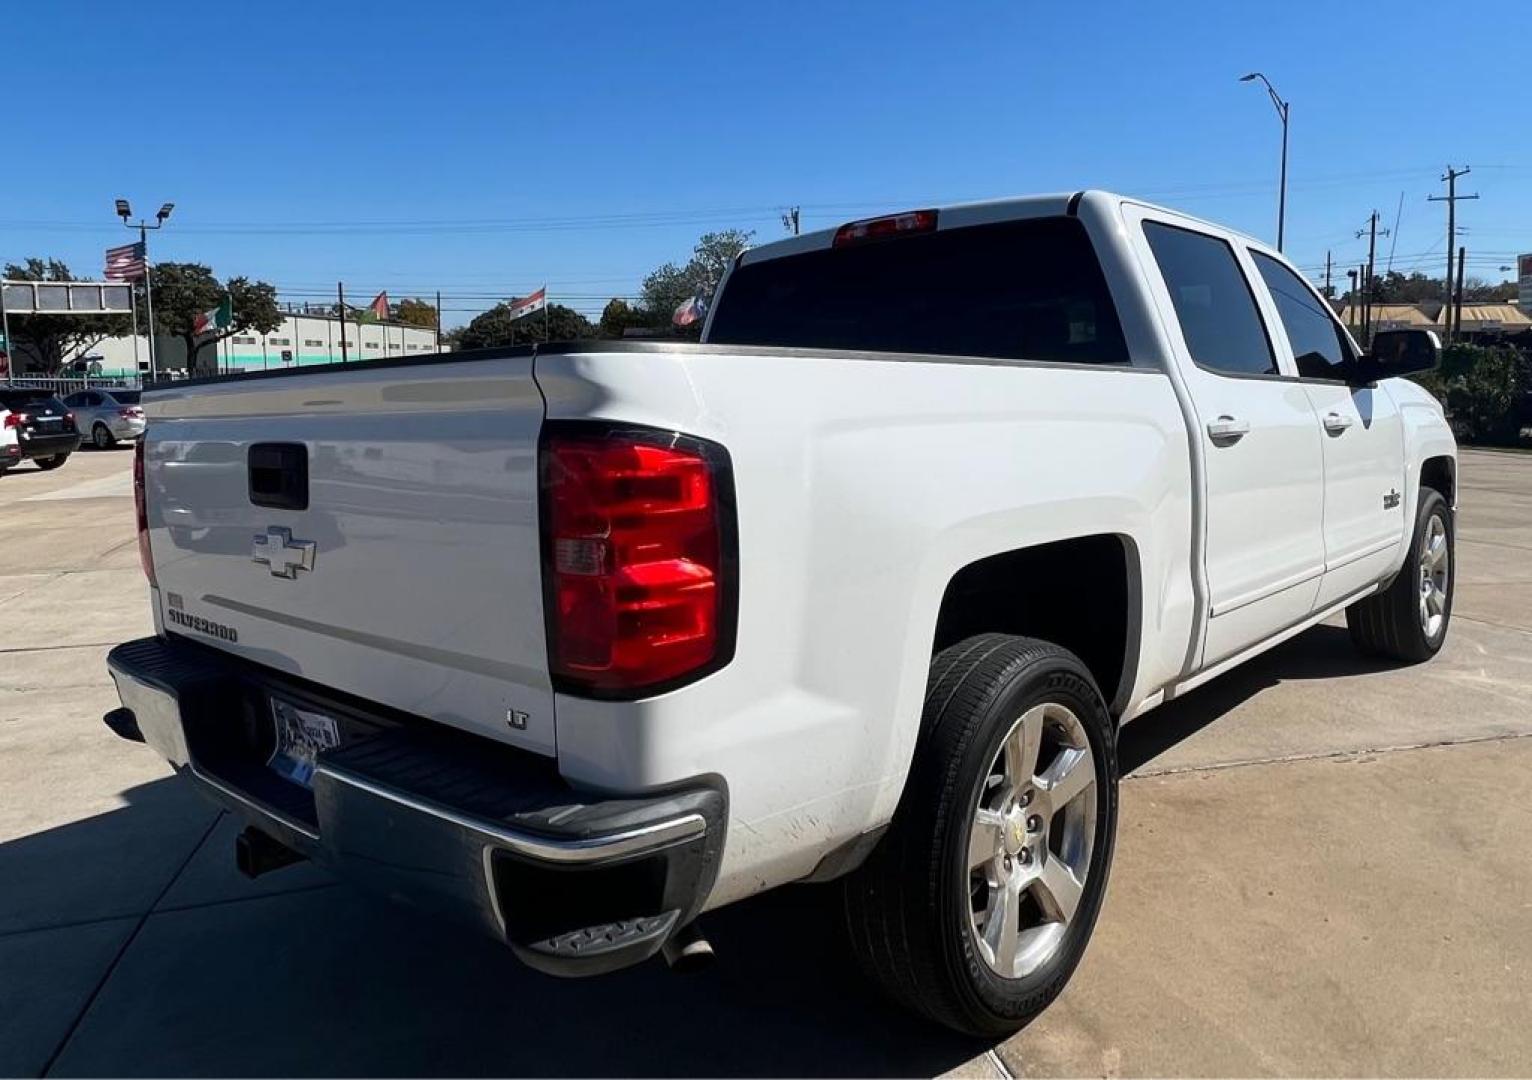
x=309, y=977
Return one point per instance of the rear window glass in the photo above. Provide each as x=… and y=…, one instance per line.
x=126, y=397
x=1019, y=290
x=13, y=399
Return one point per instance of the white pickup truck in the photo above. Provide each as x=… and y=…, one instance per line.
x=580, y=641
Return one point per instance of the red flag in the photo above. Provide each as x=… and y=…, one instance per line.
x=379, y=305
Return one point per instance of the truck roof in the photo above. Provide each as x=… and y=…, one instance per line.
x=982, y=212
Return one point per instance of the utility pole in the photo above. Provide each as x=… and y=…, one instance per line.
x=1356, y=318
x=438, y=320
x=1329, y=295
x=1457, y=310
x=340, y=297
x=790, y=219
x=1451, y=199
x=1372, y=253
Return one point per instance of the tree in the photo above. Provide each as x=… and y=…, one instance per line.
x=495, y=328
x=669, y=286
x=182, y=291
x=47, y=341
x=1484, y=388
x=416, y=313
x=619, y=316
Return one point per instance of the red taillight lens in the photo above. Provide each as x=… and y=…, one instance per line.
x=638, y=559
x=16, y=419
x=881, y=228
x=141, y=509
x=132, y=412
x=69, y=418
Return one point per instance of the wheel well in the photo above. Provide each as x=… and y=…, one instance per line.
x=1081, y=593
x=1439, y=473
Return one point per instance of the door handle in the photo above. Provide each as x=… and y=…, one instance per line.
x=1336, y=423
x=1227, y=427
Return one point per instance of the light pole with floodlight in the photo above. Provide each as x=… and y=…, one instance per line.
x=1282, y=111
x=125, y=211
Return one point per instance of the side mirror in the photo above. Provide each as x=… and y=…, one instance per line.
x=1401, y=352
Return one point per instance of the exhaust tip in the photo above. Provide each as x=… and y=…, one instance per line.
x=123, y=724
x=687, y=951
x=255, y=853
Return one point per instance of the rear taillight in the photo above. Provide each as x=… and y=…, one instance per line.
x=69, y=419
x=16, y=419
x=141, y=509
x=132, y=412
x=882, y=228
x=638, y=546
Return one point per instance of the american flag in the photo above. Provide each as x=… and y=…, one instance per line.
x=125, y=263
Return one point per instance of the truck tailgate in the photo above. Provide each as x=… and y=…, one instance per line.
x=412, y=576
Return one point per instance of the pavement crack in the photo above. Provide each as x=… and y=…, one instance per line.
x=1490, y=622
x=127, y=943
x=1328, y=755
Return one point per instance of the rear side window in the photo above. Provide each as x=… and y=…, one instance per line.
x=1218, y=315
x=16, y=400
x=1018, y=290
x=1318, y=346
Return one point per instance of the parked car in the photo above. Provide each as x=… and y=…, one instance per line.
x=107, y=416
x=37, y=426
x=862, y=587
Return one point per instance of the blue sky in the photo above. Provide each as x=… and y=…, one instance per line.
x=482, y=149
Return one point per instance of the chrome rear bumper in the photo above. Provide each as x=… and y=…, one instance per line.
x=576, y=885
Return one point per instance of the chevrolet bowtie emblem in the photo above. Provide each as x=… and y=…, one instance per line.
x=285, y=556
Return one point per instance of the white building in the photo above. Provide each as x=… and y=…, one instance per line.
x=301, y=340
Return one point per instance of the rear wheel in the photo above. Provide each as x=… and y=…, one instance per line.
x=1408, y=620
x=102, y=437
x=52, y=462
x=978, y=904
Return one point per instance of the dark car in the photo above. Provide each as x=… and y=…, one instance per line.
x=35, y=424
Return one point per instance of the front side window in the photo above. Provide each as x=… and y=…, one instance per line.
x=1218, y=316
x=1318, y=345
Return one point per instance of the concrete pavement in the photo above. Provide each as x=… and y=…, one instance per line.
x=1322, y=867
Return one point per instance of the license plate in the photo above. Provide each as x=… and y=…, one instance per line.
x=302, y=735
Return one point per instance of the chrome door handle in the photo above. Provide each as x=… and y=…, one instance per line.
x=1335, y=422
x=1227, y=427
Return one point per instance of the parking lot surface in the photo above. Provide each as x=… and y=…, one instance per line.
x=1322, y=867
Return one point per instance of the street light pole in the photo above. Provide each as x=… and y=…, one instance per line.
x=125, y=212
x=1284, y=109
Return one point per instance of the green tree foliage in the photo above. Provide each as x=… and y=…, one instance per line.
x=1414, y=288
x=619, y=316
x=669, y=286
x=44, y=342
x=182, y=291
x=1484, y=388
x=413, y=312
x=495, y=328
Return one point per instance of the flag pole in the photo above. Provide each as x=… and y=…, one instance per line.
x=133, y=306
x=143, y=240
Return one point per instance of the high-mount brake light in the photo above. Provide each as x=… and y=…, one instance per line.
x=141, y=512
x=638, y=562
x=883, y=228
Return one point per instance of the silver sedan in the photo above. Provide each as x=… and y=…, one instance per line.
x=105, y=416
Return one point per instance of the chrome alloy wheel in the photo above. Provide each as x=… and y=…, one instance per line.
x=1435, y=568
x=1030, y=840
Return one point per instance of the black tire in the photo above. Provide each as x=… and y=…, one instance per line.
x=908, y=907
x=46, y=463
x=1389, y=623
x=102, y=438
